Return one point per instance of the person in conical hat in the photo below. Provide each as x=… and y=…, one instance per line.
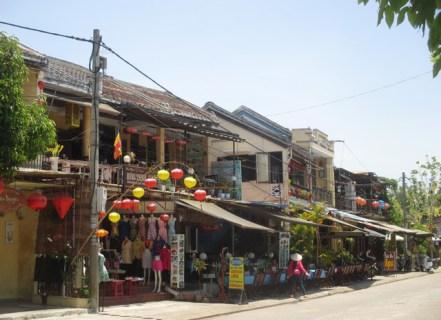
x=296, y=273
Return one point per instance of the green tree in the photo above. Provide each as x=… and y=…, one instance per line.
x=422, y=15
x=26, y=130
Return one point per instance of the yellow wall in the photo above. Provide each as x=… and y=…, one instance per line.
x=18, y=258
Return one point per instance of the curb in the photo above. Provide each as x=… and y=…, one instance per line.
x=44, y=315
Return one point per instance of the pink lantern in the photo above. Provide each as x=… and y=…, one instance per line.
x=386, y=206
x=177, y=174
x=151, y=207
x=131, y=130
x=375, y=204
x=36, y=201
x=135, y=205
x=200, y=195
x=117, y=204
x=150, y=183
x=164, y=217
x=168, y=141
x=63, y=204
x=156, y=138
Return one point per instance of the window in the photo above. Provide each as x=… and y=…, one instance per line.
x=276, y=167
x=248, y=166
x=262, y=164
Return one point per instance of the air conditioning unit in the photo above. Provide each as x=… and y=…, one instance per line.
x=72, y=115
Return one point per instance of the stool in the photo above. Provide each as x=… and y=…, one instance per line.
x=117, y=288
x=131, y=287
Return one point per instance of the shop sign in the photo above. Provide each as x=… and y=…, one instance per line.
x=177, y=245
x=284, y=238
x=236, y=277
x=135, y=175
x=389, y=261
x=10, y=200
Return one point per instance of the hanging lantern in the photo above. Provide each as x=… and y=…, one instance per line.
x=63, y=204
x=168, y=141
x=146, y=133
x=190, y=182
x=200, y=195
x=163, y=175
x=126, y=204
x=2, y=186
x=117, y=204
x=177, y=174
x=156, y=138
x=135, y=205
x=150, y=183
x=131, y=130
x=375, y=204
x=138, y=192
x=40, y=85
x=386, y=206
x=181, y=142
x=101, y=233
x=101, y=215
x=360, y=201
x=164, y=217
x=114, y=217
x=151, y=207
x=36, y=201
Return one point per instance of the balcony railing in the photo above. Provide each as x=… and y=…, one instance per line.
x=321, y=195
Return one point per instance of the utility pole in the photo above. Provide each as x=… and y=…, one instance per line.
x=404, y=205
x=93, y=176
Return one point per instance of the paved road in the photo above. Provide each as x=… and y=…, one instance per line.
x=413, y=299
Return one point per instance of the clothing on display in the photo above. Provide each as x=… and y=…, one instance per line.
x=124, y=228
x=114, y=232
x=133, y=223
x=126, y=251
x=142, y=227
x=158, y=244
x=137, y=248
x=165, y=255
x=104, y=275
x=171, y=227
x=162, y=230
x=157, y=264
x=147, y=259
x=152, y=232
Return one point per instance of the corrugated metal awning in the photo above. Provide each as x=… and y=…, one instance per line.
x=298, y=220
x=215, y=211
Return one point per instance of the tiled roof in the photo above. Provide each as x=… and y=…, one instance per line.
x=32, y=57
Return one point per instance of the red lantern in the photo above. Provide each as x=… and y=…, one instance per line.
x=177, y=174
x=150, y=183
x=168, y=141
x=117, y=204
x=40, y=85
x=156, y=138
x=375, y=204
x=146, y=133
x=135, y=204
x=164, y=217
x=360, y=201
x=181, y=142
x=63, y=204
x=126, y=204
x=131, y=130
x=36, y=201
x=101, y=215
x=151, y=207
x=200, y=195
x=2, y=186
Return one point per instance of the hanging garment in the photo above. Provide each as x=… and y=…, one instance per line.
x=126, y=252
x=133, y=228
x=147, y=259
x=162, y=230
x=104, y=275
x=124, y=229
x=142, y=227
x=152, y=233
x=165, y=255
x=137, y=248
x=114, y=232
x=171, y=227
x=157, y=264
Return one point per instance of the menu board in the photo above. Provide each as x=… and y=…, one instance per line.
x=284, y=238
x=236, y=273
x=177, y=247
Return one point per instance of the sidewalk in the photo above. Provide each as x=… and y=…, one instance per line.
x=176, y=310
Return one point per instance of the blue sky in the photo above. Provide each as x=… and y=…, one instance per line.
x=272, y=56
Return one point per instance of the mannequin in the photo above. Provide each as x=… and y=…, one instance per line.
x=141, y=227
x=171, y=227
x=104, y=275
x=147, y=263
x=151, y=233
x=162, y=230
x=126, y=253
x=157, y=269
x=133, y=227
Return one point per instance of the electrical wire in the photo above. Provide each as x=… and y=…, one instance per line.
x=46, y=32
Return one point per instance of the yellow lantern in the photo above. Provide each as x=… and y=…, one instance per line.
x=114, y=217
x=190, y=182
x=138, y=192
x=163, y=175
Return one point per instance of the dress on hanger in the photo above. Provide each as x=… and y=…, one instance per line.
x=124, y=228
x=165, y=255
x=147, y=259
x=133, y=228
x=171, y=227
x=114, y=232
x=104, y=275
x=126, y=251
x=152, y=233
x=162, y=230
x=141, y=227
x=137, y=248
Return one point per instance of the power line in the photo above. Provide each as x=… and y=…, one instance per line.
x=46, y=32
x=386, y=86
x=356, y=158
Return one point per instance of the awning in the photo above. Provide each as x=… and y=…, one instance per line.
x=347, y=234
x=397, y=237
x=297, y=220
x=215, y=211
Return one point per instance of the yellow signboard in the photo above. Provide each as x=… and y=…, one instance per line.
x=236, y=278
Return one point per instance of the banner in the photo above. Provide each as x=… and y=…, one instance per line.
x=284, y=239
x=236, y=278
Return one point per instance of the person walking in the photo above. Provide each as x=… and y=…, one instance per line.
x=296, y=272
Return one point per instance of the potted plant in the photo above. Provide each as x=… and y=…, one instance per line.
x=55, y=154
x=200, y=266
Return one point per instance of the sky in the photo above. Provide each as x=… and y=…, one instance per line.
x=275, y=57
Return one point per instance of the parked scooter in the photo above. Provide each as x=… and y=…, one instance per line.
x=424, y=263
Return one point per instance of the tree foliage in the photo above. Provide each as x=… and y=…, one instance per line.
x=26, y=130
x=422, y=15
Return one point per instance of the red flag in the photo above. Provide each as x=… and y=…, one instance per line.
x=117, y=150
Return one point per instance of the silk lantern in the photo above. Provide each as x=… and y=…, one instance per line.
x=375, y=204
x=360, y=201
x=164, y=217
x=135, y=205
x=200, y=195
x=190, y=182
x=138, y=192
x=117, y=204
x=126, y=204
x=62, y=205
x=151, y=207
x=177, y=174
x=150, y=183
x=101, y=233
x=114, y=217
x=101, y=215
x=163, y=175
x=36, y=201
